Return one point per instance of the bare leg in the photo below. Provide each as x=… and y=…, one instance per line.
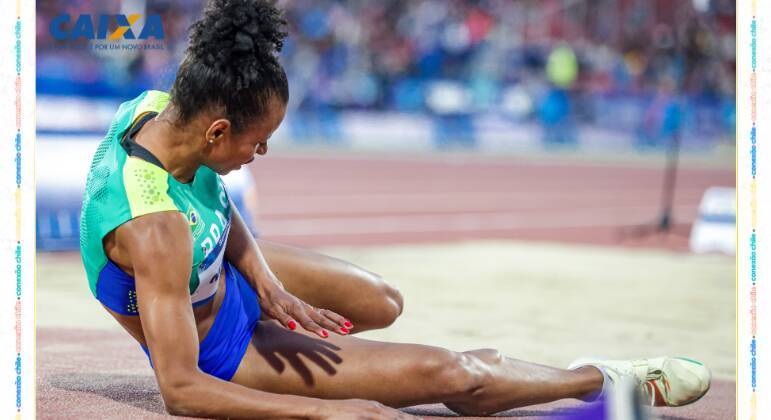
x=399, y=375
x=326, y=282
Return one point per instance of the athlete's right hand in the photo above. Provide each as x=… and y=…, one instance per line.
x=360, y=410
x=285, y=307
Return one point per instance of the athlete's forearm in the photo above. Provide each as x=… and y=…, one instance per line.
x=243, y=252
x=207, y=396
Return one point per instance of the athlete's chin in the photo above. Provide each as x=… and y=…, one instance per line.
x=227, y=170
x=224, y=170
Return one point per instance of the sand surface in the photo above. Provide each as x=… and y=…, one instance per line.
x=545, y=303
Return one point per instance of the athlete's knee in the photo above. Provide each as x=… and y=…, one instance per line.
x=388, y=304
x=459, y=375
x=473, y=398
x=394, y=301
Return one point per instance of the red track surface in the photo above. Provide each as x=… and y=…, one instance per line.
x=103, y=375
x=327, y=201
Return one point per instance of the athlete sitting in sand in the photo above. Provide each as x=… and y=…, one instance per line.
x=242, y=328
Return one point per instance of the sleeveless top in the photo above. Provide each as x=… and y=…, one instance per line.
x=126, y=181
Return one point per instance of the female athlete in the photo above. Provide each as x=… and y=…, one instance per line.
x=243, y=328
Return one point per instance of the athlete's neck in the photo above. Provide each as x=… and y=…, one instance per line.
x=176, y=147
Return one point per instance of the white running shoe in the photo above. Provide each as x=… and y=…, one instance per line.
x=664, y=381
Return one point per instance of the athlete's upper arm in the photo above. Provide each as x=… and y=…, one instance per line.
x=160, y=252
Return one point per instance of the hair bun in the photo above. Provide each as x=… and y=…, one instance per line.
x=238, y=34
x=232, y=62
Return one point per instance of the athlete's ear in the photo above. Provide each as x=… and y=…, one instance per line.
x=218, y=131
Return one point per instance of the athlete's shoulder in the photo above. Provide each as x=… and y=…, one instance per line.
x=151, y=101
x=124, y=189
x=147, y=101
x=110, y=159
x=146, y=187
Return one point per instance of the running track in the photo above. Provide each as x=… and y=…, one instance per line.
x=332, y=201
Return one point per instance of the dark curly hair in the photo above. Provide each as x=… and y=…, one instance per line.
x=232, y=62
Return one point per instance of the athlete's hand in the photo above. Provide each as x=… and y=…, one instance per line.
x=289, y=310
x=360, y=410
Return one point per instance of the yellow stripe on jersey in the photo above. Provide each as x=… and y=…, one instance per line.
x=146, y=186
x=154, y=101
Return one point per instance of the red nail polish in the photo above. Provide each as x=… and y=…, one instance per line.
x=324, y=333
x=344, y=330
x=292, y=325
x=348, y=324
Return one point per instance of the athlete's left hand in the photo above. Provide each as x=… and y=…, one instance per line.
x=289, y=310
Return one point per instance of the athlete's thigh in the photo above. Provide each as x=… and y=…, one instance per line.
x=327, y=282
x=291, y=362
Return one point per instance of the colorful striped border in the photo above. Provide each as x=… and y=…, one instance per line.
x=752, y=91
x=753, y=200
x=18, y=255
x=17, y=209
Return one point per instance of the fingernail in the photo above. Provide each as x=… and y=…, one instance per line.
x=348, y=324
x=324, y=333
x=292, y=325
x=344, y=330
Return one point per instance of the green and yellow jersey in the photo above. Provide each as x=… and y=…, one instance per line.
x=126, y=181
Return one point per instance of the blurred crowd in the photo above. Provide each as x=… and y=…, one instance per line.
x=526, y=59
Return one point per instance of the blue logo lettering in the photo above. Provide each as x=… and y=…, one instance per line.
x=84, y=27
x=56, y=27
x=153, y=28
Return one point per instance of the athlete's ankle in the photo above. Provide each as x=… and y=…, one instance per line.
x=594, y=382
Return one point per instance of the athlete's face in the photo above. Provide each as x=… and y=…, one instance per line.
x=228, y=151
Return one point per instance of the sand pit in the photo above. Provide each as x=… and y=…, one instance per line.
x=541, y=302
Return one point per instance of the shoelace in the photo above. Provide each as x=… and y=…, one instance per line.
x=649, y=388
x=635, y=371
x=647, y=385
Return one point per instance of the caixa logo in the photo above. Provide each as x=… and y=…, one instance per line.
x=89, y=26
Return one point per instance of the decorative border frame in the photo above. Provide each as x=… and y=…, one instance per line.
x=17, y=211
x=753, y=69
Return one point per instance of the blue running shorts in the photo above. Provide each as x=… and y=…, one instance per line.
x=224, y=346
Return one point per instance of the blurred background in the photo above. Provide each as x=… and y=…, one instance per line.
x=609, y=80
x=571, y=152
x=486, y=75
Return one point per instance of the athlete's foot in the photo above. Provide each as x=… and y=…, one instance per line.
x=664, y=381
